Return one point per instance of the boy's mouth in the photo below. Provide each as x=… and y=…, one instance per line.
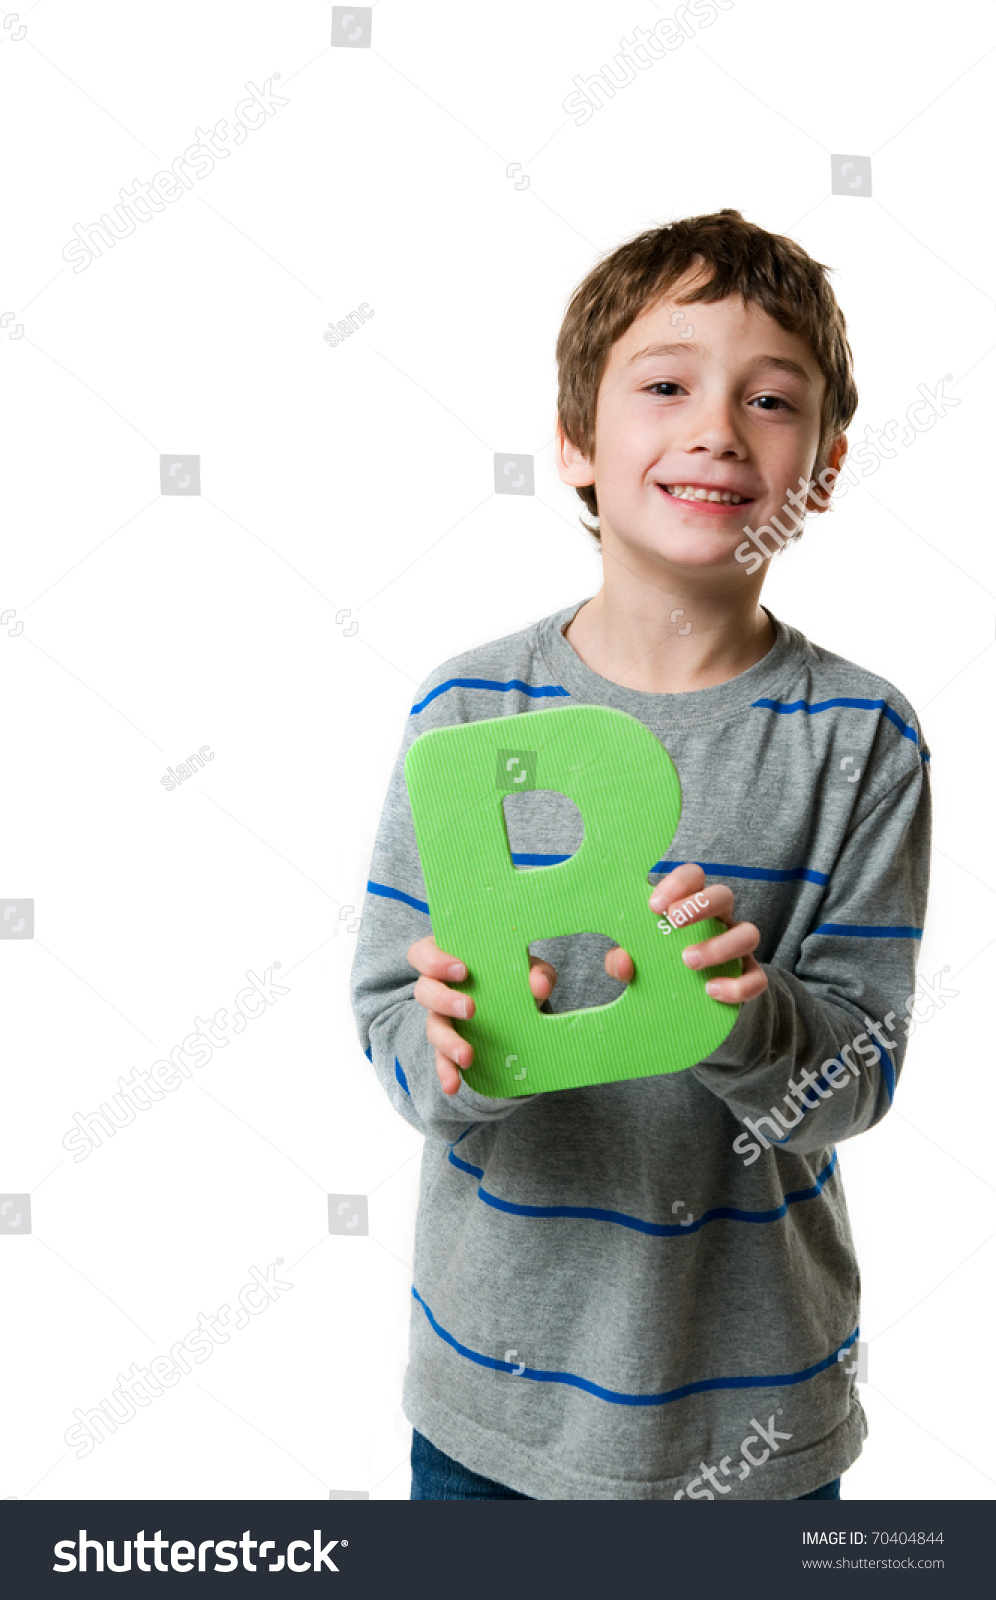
x=705, y=498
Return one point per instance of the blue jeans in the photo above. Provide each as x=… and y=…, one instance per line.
x=436, y=1476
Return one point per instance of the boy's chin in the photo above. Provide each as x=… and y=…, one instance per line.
x=694, y=548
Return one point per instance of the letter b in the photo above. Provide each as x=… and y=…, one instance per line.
x=487, y=912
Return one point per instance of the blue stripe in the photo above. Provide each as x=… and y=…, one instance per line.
x=659, y=1230
x=525, y=858
x=862, y=930
x=885, y=1065
x=388, y=893
x=765, y=874
x=619, y=1397
x=784, y=707
x=398, y=1073
x=529, y=858
x=465, y=1166
x=545, y=690
x=463, y=1135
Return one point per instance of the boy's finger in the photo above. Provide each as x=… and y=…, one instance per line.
x=619, y=964
x=680, y=881
x=447, y=1041
x=734, y=991
x=716, y=901
x=435, y=996
x=447, y=1073
x=427, y=958
x=738, y=941
x=542, y=977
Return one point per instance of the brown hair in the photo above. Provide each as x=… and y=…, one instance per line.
x=768, y=269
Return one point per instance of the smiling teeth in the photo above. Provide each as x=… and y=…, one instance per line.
x=681, y=491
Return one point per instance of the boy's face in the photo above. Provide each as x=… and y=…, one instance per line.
x=696, y=396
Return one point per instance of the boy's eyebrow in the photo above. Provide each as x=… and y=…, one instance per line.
x=783, y=363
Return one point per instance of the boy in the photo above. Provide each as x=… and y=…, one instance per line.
x=647, y=1289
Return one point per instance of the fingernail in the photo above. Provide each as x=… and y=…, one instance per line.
x=713, y=989
x=457, y=971
x=657, y=900
x=692, y=958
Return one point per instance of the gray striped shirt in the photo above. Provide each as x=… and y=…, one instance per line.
x=648, y=1289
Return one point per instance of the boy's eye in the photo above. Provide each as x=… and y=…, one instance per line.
x=666, y=383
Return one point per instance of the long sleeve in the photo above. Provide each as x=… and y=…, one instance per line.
x=805, y=1052
x=390, y=1022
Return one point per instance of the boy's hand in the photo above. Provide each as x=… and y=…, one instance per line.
x=743, y=937
x=453, y=1053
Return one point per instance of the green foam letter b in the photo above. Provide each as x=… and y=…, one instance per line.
x=487, y=912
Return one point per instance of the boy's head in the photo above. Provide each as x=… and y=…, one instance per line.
x=753, y=394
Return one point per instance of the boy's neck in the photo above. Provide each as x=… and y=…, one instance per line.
x=637, y=646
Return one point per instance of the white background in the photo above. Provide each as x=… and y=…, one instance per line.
x=359, y=477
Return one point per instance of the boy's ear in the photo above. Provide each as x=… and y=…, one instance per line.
x=573, y=467
x=819, y=499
